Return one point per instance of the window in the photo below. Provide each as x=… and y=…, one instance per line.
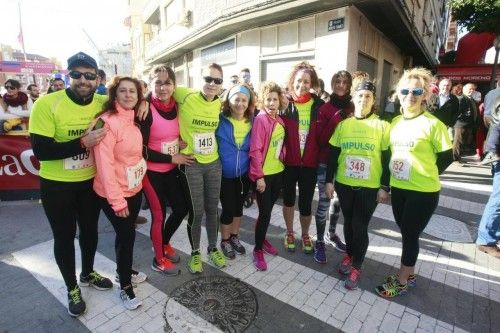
x=172, y=11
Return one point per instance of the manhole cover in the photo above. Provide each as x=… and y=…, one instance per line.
x=449, y=229
x=224, y=302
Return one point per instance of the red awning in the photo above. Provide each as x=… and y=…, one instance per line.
x=467, y=73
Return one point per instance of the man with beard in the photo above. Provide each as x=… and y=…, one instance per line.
x=33, y=92
x=61, y=138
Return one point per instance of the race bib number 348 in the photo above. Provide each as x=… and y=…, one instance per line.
x=80, y=161
x=204, y=143
x=357, y=167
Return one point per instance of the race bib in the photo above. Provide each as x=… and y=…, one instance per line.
x=204, y=143
x=279, y=145
x=135, y=174
x=80, y=161
x=170, y=148
x=400, y=169
x=302, y=138
x=357, y=167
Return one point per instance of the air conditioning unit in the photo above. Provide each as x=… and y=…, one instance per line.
x=185, y=18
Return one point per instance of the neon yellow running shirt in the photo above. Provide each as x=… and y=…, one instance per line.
x=198, y=120
x=57, y=116
x=241, y=129
x=272, y=163
x=361, y=142
x=414, y=145
x=304, y=110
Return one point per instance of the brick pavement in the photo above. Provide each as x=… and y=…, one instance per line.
x=458, y=288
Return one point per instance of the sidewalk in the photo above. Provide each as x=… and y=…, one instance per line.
x=458, y=288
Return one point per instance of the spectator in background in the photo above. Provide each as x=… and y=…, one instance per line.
x=322, y=93
x=457, y=89
x=234, y=79
x=15, y=101
x=33, y=92
x=392, y=107
x=434, y=85
x=444, y=105
x=101, y=79
x=144, y=86
x=465, y=123
x=56, y=84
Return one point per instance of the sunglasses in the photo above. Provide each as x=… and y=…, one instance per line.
x=414, y=91
x=209, y=79
x=10, y=88
x=87, y=75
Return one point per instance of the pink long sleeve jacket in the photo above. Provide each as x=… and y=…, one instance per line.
x=118, y=157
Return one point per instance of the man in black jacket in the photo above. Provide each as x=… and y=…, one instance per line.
x=444, y=105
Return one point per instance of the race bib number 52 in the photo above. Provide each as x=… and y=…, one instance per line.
x=400, y=169
x=357, y=167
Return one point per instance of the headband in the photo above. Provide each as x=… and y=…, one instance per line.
x=238, y=89
x=365, y=85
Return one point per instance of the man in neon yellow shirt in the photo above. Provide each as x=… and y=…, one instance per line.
x=61, y=140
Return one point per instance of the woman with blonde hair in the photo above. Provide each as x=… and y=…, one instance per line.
x=421, y=150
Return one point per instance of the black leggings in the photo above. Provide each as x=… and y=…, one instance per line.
x=160, y=188
x=265, y=201
x=357, y=205
x=306, y=177
x=412, y=211
x=233, y=192
x=66, y=204
x=125, y=235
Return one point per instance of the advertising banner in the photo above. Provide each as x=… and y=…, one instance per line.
x=18, y=166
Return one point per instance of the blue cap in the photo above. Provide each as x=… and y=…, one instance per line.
x=81, y=59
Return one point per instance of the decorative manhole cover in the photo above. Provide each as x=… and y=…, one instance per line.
x=449, y=229
x=224, y=302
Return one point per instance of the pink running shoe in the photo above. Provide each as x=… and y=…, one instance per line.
x=259, y=261
x=269, y=248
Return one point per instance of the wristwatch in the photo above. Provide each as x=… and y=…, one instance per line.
x=386, y=188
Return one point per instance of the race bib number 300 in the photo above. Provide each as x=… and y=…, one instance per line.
x=204, y=143
x=170, y=148
x=80, y=161
x=357, y=167
x=135, y=174
x=400, y=169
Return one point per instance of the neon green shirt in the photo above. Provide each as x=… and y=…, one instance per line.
x=414, y=145
x=361, y=142
x=57, y=116
x=198, y=120
x=304, y=122
x=272, y=163
x=241, y=129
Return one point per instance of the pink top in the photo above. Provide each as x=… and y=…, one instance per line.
x=118, y=158
x=163, y=137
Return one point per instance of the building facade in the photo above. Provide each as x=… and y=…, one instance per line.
x=380, y=37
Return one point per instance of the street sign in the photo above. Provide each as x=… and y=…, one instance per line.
x=336, y=24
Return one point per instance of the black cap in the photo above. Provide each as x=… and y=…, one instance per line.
x=365, y=85
x=81, y=59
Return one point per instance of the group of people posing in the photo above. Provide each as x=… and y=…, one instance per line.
x=188, y=149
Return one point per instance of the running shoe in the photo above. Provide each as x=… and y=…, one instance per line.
x=165, y=266
x=259, y=261
x=195, y=265
x=170, y=253
x=411, y=282
x=307, y=244
x=346, y=265
x=390, y=290
x=217, y=258
x=136, y=277
x=237, y=246
x=269, y=248
x=289, y=241
x=76, y=304
x=96, y=280
x=352, y=280
x=129, y=300
x=227, y=249
x=319, y=252
x=334, y=240
x=141, y=220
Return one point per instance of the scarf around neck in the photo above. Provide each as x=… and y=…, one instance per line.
x=160, y=106
x=20, y=99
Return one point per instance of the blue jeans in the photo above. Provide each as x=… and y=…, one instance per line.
x=325, y=205
x=489, y=227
